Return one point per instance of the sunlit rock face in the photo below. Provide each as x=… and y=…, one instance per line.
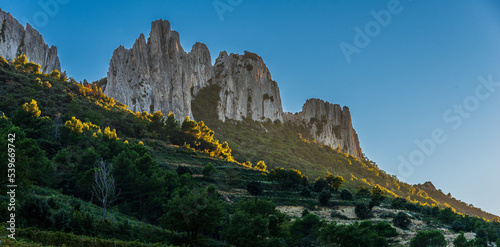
x=329, y=124
x=247, y=90
x=159, y=74
x=16, y=40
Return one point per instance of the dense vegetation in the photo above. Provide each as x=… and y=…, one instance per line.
x=175, y=184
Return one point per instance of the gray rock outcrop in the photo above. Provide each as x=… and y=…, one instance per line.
x=328, y=124
x=16, y=40
x=247, y=90
x=159, y=74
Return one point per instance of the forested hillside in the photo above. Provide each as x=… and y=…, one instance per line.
x=173, y=184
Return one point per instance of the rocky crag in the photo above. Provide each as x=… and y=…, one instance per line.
x=328, y=124
x=16, y=40
x=160, y=75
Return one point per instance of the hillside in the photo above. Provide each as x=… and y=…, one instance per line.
x=181, y=182
x=231, y=169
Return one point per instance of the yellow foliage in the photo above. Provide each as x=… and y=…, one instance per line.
x=110, y=134
x=32, y=108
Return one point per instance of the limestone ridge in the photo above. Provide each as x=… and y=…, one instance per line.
x=328, y=124
x=247, y=88
x=16, y=40
x=158, y=74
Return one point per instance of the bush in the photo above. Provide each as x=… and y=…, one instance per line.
x=306, y=192
x=398, y=203
x=457, y=226
x=254, y=188
x=208, y=171
x=460, y=241
x=385, y=230
x=345, y=195
x=363, y=211
x=481, y=233
x=324, y=197
x=181, y=170
x=402, y=220
x=36, y=212
x=428, y=238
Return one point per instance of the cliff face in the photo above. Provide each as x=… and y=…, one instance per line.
x=329, y=124
x=16, y=40
x=159, y=74
x=247, y=88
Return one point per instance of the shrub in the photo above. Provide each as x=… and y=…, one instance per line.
x=363, y=211
x=457, y=226
x=324, y=197
x=345, y=195
x=402, y=220
x=306, y=192
x=363, y=192
x=398, y=203
x=385, y=230
x=181, y=170
x=428, y=238
x=254, y=188
x=460, y=241
x=481, y=233
x=208, y=170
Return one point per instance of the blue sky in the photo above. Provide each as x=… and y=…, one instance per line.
x=416, y=67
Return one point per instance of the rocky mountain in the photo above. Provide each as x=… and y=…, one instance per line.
x=328, y=124
x=16, y=40
x=247, y=90
x=160, y=75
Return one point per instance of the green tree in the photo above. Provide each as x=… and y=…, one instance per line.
x=447, y=216
x=353, y=235
x=363, y=211
x=482, y=234
x=402, y=220
x=255, y=223
x=428, y=239
x=324, y=197
x=398, y=203
x=345, y=195
x=208, y=171
x=334, y=182
x=255, y=188
x=460, y=241
x=363, y=191
x=304, y=232
x=319, y=184
x=194, y=212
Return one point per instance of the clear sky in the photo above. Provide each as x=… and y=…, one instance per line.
x=411, y=77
